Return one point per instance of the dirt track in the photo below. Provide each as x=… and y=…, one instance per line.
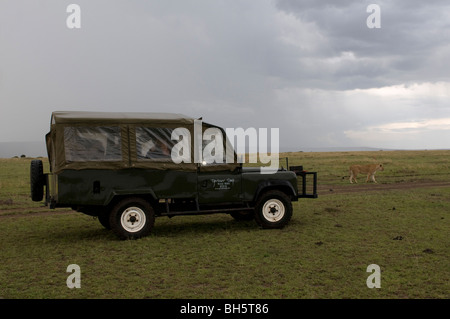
x=35, y=211
x=325, y=189
x=322, y=190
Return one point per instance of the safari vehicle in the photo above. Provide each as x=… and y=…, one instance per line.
x=109, y=165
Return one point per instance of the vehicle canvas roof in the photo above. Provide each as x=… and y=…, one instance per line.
x=63, y=117
x=127, y=123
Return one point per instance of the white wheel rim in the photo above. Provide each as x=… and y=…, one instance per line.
x=273, y=210
x=133, y=219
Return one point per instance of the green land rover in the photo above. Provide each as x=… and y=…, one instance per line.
x=128, y=168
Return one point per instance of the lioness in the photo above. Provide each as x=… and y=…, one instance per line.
x=369, y=169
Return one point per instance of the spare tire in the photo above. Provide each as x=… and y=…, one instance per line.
x=37, y=180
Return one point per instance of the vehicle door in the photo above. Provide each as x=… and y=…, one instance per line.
x=219, y=185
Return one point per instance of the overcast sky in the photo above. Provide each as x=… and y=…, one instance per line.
x=313, y=69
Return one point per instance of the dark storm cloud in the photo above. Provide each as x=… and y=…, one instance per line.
x=412, y=34
x=312, y=68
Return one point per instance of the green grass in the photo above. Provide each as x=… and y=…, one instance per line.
x=400, y=166
x=15, y=184
x=323, y=253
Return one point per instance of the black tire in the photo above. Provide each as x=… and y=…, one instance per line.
x=243, y=215
x=273, y=209
x=37, y=180
x=132, y=218
x=103, y=218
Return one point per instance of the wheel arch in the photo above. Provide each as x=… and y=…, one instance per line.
x=117, y=196
x=280, y=185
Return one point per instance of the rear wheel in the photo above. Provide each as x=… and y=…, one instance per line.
x=37, y=180
x=273, y=209
x=132, y=218
x=103, y=218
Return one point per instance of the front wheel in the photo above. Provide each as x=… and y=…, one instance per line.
x=273, y=209
x=132, y=218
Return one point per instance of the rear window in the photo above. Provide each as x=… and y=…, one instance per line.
x=86, y=143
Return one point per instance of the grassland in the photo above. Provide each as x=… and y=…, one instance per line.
x=402, y=226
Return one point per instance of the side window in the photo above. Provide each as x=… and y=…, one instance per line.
x=213, y=147
x=98, y=143
x=153, y=143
